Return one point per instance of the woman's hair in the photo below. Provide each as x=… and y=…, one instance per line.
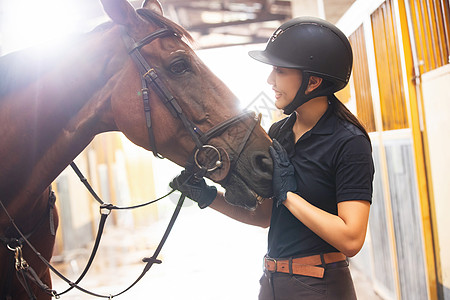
x=343, y=113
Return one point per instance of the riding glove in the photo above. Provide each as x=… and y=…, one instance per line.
x=283, y=173
x=195, y=189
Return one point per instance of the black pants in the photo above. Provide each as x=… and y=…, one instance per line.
x=337, y=284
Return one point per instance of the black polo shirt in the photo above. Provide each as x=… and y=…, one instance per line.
x=333, y=163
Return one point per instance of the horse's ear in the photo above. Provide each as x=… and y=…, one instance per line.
x=153, y=5
x=121, y=12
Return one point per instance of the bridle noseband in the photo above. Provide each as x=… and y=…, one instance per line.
x=149, y=77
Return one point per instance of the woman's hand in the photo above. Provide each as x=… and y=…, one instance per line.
x=283, y=173
x=195, y=189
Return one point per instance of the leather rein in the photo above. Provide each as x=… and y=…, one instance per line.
x=149, y=78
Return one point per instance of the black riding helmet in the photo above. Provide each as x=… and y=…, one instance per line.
x=314, y=46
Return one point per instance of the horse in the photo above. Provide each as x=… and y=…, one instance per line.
x=136, y=74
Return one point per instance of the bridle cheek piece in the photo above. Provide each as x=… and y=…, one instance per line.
x=149, y=77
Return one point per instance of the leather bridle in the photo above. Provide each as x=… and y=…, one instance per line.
x=149, y=78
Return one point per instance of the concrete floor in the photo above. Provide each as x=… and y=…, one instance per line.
x=206, y=257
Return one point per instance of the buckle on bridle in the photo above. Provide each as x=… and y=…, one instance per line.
x=20, y=262
x=217, y=164
x=151, y=70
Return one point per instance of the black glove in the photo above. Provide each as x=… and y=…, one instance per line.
x=195, y=189
x=283, y=173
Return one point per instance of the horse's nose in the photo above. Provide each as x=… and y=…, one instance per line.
x=262, y=169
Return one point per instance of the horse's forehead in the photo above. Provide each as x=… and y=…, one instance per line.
x=178, y=52
x=166, y=47
x=174, y=45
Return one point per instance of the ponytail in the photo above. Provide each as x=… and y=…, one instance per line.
x=344, y=114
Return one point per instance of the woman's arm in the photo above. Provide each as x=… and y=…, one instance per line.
x=258, y=217
x=209, y=196
x=346, y=231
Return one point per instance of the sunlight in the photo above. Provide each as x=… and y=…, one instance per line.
x=29, y=22
x=246, y=77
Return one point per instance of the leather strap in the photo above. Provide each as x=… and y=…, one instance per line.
x=308, y=266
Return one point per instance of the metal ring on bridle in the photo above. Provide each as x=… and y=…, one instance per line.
x=11, y=248
x=218, y=163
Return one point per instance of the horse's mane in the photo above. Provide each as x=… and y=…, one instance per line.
x=22, y=67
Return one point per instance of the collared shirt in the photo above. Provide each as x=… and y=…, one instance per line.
x=333, y=163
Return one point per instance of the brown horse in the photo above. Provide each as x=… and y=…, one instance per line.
x=51, y=109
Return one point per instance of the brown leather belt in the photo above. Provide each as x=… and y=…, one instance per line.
x=308, y=266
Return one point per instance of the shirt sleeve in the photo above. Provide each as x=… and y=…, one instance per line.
x=355, y=170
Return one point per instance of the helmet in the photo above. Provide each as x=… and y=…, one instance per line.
x=314, y=46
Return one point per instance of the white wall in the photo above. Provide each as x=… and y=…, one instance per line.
x=436, y=98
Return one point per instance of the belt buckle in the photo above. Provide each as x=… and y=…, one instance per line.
x=266, y=265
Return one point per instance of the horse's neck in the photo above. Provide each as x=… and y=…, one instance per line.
x=58, y=115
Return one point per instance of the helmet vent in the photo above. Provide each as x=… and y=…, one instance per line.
x=276, y=34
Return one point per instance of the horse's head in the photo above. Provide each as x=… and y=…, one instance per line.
x=191, y=118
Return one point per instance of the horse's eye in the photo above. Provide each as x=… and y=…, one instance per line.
x=179, y=67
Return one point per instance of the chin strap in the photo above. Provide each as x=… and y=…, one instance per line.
x=325, y=89
x=300, y=97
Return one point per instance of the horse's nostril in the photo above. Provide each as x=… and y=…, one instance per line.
x=262, y=163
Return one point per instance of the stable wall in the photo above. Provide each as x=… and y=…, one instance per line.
x=436, y=100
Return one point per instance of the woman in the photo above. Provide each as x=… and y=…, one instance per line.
x=323, y=168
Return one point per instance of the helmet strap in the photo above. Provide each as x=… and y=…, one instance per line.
x=300, y=97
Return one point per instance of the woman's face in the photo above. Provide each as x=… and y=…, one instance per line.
x=285, y=82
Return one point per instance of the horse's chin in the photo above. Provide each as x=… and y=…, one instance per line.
x=239, y=194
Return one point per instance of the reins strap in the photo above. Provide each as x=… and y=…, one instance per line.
x=101, y=226
x=24, y=282
x=110, y=206
x=86, y=183
x=151, y=260
x=26, y=275
x=22, y=267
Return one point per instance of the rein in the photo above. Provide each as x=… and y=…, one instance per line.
x=149, y=78
x=24, y=270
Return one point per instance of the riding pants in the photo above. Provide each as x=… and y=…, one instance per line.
x=336, y=284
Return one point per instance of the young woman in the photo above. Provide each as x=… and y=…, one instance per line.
x=323, y=168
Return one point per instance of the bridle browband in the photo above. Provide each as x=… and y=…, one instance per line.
x=149, y=78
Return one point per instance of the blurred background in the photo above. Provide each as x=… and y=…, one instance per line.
x=399, y=89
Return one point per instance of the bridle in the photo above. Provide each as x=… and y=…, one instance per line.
x=198, y=167
x=149, y=78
